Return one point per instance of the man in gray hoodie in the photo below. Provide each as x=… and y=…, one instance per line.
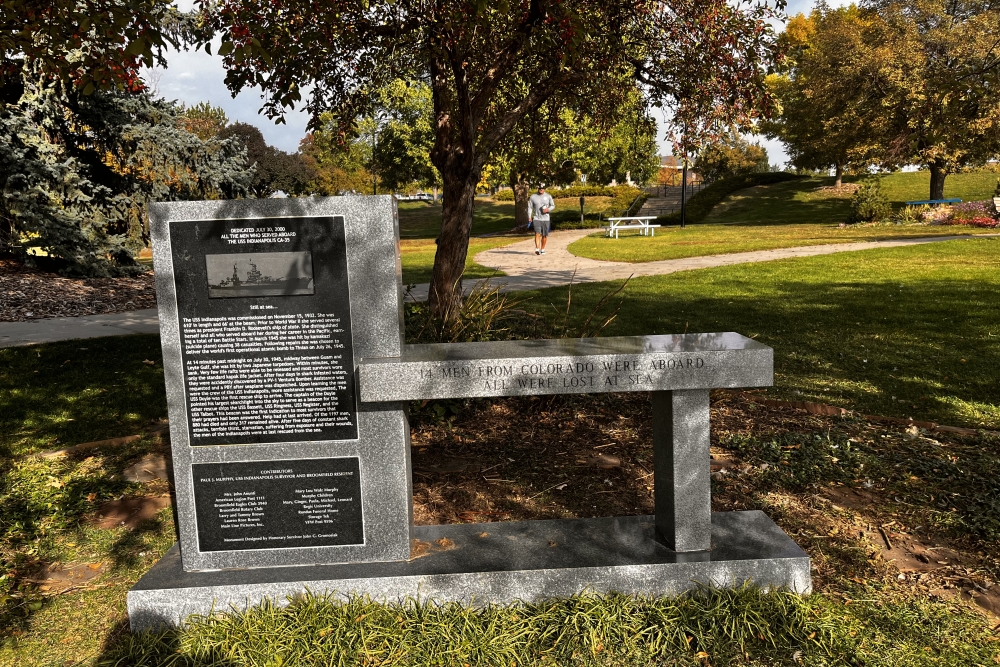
x=539, y=206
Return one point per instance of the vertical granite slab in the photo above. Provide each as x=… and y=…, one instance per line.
x=681, y=483
x=377, y=447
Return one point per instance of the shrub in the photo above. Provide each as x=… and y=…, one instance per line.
x=869, y=203
x=578, y=190
x=701, y=204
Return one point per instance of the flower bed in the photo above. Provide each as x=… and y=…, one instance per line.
x=972, y=214
x=975, y=222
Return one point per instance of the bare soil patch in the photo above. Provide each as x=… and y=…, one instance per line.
x=60, y=578
x=27, y=294
x=129, y=512
x=566, y=456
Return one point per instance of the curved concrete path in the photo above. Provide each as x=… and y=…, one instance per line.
x=525, y=271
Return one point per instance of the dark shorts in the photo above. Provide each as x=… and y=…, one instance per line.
x=542, y=226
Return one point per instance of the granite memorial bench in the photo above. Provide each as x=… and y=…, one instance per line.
x=290, y=441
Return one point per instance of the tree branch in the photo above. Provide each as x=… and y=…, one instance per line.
x=505, y=60
x=539, y=93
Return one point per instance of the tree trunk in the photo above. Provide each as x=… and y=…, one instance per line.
x=938, y=173
x=521, y=189
x=6, y=234
x=459, y=190
x=839, y=174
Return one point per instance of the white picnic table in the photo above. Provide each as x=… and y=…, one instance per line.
x=642, y=223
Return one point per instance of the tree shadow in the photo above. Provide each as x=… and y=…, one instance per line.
x=881, y=347
x=79, y=391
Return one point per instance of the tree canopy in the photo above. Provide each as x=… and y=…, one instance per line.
x=557, y=144
x=92, y=44
x=273, y=169
x=939, y=66
x=491, y=64
x=891, y=84
x=824, y=92
x=731, y=155
x=204, y=120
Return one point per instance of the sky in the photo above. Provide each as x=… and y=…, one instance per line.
x=194, y=76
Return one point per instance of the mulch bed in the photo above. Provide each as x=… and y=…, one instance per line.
x=586, y=456
x=28, y=294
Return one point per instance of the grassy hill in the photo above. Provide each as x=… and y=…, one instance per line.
x=814, y=200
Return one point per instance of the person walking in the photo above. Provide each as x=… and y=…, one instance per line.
x=539, y=206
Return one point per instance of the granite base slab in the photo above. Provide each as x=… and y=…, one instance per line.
x=496, y=563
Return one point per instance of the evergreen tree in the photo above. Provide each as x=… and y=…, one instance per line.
x=77, y=172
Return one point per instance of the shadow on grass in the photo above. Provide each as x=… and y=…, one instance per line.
x=128, y=549
x=792, y=202
x=122, y=648
x=907, y=332
x=78, y=391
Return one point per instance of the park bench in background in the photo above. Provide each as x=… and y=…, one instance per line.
x=642, y=223
x=933, y=202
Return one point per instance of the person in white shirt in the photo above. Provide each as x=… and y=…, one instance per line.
x=539, y=206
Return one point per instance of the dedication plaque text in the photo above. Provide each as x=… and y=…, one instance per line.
x=278, y=504
x=265, y=326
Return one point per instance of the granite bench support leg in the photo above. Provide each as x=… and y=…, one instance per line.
x=681, y=465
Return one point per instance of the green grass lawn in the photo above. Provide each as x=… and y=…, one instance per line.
x=811, y=200
x=417, y=256
x=899, y=332
x=422, y=220
x=718, y=239
x=54, y=396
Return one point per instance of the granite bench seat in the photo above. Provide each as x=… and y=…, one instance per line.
x=573, y=366
x=677, y=370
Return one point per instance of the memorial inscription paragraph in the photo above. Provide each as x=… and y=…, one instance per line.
x=272, y=361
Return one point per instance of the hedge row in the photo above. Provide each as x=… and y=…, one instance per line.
x=581, y=191
x=703, y=201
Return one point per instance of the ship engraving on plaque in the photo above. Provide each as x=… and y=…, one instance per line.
x=264, y=274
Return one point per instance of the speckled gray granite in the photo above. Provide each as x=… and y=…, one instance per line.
x=682, y=488
x=497, y=563
x=374, y=272
x=568, y=366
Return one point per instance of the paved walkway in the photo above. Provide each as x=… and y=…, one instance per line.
x=68, y=328
x=525, y=271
